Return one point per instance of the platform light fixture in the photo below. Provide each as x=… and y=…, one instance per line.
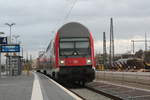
x=10, y=25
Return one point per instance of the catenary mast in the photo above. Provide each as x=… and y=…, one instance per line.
x=111, y=52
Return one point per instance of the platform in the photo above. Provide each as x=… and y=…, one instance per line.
x=120, y=91
x=33, y=87
x=16, y=88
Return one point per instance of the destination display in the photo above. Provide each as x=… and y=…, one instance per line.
x=10, y=48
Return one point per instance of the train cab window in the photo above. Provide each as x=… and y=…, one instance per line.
x=64, y=45
x=82, y=44
x=75, y=47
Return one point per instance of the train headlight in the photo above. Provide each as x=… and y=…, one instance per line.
x=62, y=62
x=88, y=61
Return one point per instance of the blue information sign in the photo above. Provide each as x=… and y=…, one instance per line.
x=10, y=48
x=3, y=40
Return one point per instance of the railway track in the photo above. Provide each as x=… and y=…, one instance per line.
x=106, y=91
x=87, y=93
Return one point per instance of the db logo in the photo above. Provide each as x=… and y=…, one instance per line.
x=75, y=61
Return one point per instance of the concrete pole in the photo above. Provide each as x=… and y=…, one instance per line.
x=145, y=42
x=10, y=34
x=104, y=48
x=133, y=46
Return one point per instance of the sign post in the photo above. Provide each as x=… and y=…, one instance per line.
x=13, y=60
x=3, y=40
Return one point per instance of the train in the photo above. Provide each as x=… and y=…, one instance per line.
x=70, y=55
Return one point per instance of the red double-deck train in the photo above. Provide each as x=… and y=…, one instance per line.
x=70, y=56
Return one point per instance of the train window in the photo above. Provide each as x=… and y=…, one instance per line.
x=66, y=52
x=82, y=44
x=73, y=39
x=70, y=46
x=66, y=45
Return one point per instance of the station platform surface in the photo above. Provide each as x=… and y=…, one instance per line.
x=120, y=91
x=16, y=87
x=33, y=87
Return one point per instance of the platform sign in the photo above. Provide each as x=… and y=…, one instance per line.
x=3, y=40
x=10, y=48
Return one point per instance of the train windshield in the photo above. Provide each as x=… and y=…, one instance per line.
x=75, y=47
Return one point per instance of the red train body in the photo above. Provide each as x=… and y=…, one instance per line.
x=70, y=56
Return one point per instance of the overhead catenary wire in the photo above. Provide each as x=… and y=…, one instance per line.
x=69, y=12
x=67, y=15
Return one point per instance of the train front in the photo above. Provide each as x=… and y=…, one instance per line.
x=75, y=53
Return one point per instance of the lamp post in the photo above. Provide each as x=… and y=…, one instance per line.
x=0, y=57
x=10, y=25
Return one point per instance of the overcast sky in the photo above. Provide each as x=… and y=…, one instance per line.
x=36, y=20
